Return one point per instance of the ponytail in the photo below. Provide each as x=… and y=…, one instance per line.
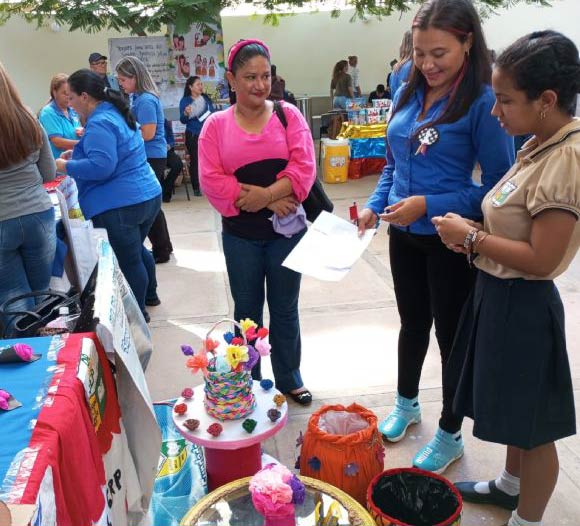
x=87, y=81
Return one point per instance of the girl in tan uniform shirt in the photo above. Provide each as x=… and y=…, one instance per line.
x=509, y=355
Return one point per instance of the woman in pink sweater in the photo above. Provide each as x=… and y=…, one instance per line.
x=256, y=165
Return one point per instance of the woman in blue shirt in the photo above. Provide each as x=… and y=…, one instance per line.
x=137, y=82
x=194, y=108
x=440, y=128
x=61, y=123
x=117, y=187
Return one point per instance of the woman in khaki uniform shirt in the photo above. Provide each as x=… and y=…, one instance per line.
x=509, y=355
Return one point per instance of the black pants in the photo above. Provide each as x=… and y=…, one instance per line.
x=159, y=234
x=191, y=143
x=175, y=165
x=431, y=283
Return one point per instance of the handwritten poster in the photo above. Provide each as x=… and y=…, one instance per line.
x=154, y=52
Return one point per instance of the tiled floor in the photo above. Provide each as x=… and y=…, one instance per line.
x=358, y=314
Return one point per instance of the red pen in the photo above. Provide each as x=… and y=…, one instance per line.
x=353, y=213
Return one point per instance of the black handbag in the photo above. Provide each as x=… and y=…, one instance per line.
x=27, y=323
x=317, y=201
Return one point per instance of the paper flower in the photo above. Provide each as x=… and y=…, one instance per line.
x=187, y=350
x=314, y=463
x=180, y=409
x=266, y=384
x=187, y=393
x=191, y=423
x=262, y=346
x=198, y=362
x=351, y=470
x=251, y=334
x=279, y=399
x=262, y=332
x=247, y=323
x=253, y=357
x=4, y=397
x=298, y=490
x=274, y=414
x=274, y=491
x=236, y=354
x=237, y=341
x=215, y=430
x=221, y=364
x=228, y=337
x=23, y=350
x=211, y=345
x=249, y=425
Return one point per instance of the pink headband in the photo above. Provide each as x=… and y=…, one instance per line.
x=234, y=50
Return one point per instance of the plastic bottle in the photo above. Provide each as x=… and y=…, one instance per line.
x=65, y=321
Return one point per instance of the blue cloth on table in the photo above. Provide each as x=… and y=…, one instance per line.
x=25, y=381
x=367, y=148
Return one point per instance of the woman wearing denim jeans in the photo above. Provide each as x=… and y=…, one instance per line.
x=117, y=188
x=254, y=169
x=27, y=227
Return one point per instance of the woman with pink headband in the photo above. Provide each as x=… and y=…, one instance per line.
x=256, y=165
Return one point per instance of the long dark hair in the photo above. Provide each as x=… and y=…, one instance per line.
x=338, y=70
x=459, y=18
x=544, y=60
x=87, y=81
x=188, y=83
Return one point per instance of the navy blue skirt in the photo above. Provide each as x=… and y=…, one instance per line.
x=510, y=364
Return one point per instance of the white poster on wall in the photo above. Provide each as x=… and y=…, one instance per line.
x=154, y=52
x=199, y=52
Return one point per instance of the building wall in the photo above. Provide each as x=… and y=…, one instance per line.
x=304, y=46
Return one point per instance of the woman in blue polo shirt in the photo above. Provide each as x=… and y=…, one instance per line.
x=440, y=128
x=194, y=108
x=137, y=82
x=61, y=122
x=117, y=188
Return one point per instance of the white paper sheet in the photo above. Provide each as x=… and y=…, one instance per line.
x=329, y=249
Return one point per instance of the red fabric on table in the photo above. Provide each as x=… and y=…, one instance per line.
x=66, y=441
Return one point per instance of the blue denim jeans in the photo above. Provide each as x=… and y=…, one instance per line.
x=127, y=227
x=251, y=265
x=27, y=248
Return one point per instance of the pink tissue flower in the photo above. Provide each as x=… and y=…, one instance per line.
x=23, y=350
x=4, y=397
x=262, y=346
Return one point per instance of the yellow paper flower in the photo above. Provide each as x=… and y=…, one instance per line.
x=236, y=354
x=247, y=323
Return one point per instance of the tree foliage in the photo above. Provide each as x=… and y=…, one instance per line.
x=152, y=16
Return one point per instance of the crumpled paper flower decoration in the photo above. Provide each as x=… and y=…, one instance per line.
x=262, y=346
x=314, y=463
x=246, y=323
x=4, y=397
x=211, y=345
x=266, y=384
x=228, y=337
x=198, y=362
x=24, y=351
x=351, y=469
x=187, y=350
x=253, y=357
x=235, y=354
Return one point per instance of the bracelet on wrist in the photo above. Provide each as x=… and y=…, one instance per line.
x=480, y=239
x=470, y=237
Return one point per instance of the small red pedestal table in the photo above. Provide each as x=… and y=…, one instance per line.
x=235, y=453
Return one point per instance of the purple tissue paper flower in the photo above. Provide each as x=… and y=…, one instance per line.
x=351, y=470
x=187, y=350
x=253, y=357
x=298, y=491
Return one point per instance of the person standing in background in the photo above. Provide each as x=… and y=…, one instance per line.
x=98, y=64
x=440, y=128
x=341, y=88
x=402, y=69
x=174, y=163
x=194, y=108
x=354, y=73
x=278, y=86
x=27, y=227
x=61, y=122
x=137, y=82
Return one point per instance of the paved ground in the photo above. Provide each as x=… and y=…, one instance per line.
x=359, y=314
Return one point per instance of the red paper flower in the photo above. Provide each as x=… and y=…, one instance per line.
x=215, y=430
x=180, y=409
x=237, y=341
x=251, y=334
x=211, y=345
x=263, y=332
x=187, y=393
x=191, y=423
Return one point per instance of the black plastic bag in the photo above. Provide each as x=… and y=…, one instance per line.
x=414, y=498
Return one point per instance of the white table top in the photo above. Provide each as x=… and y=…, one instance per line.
x=233, y=436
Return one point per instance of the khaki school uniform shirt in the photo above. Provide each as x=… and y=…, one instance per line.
x=544, y=177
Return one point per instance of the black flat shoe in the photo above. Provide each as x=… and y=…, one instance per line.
x=302, y=398
x=152, y=302
x=496, y=497
x=161, y=259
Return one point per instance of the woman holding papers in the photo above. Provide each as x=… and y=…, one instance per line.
x=194, y=108
x=256, y=163
x=440, y=128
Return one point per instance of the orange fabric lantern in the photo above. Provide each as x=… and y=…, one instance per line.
x=342, y=446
